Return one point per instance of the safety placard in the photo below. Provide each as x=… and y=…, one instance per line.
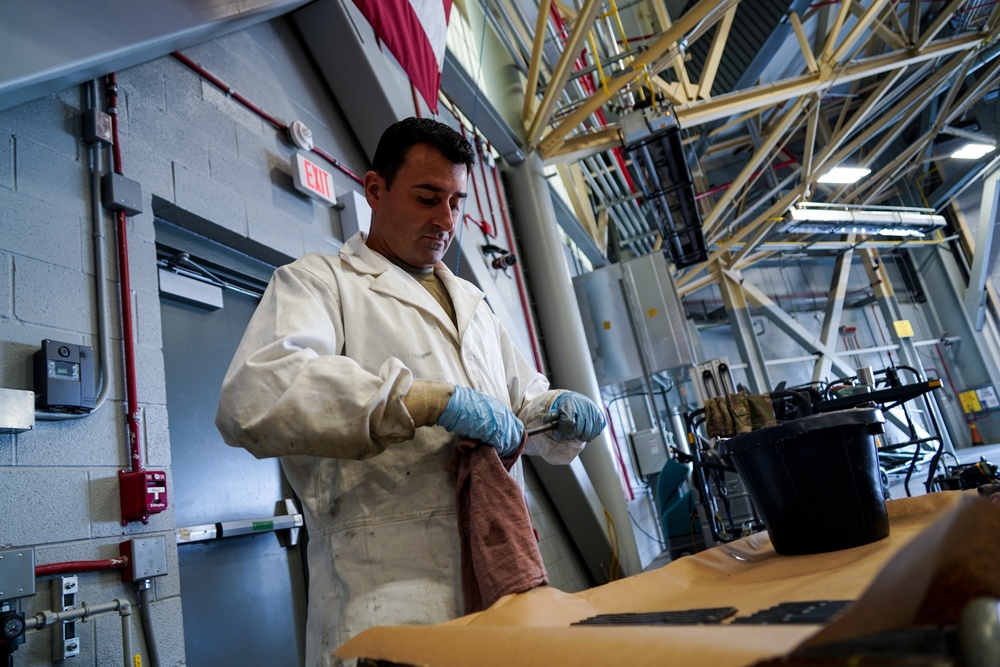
x=988, y=397
x=903, y=328
x=970, y=402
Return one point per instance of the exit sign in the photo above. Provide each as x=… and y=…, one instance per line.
x=312, y=179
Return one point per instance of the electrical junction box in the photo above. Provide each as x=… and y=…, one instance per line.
x=17, y=573
x=64, y=377
x=143, y=492
x=642, y=123
x=147, y=558
x=650, y=454
x=312, y=179
x=17, y=410
x=120, y=193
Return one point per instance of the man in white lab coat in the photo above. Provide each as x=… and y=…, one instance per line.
x=363, y=370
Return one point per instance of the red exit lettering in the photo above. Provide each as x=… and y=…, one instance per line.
x=317, y=179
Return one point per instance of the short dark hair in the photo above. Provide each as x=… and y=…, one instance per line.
x=400, y=137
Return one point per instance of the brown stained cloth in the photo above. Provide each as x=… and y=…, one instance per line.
x=499, y=548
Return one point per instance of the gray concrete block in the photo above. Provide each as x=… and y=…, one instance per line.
x=6, y=449
x=170, y=585
x=18, y=342
x=35, y=228
x=156, y=436
x=50, y=176
x=47, y=505
x=251, y=136
x=6, y=281
x=48, y=121
x=143, y=276
x=165, y=131
x=6, y=159
x=210, y=201
x=275, y=230
x=149, y=375
x=169, y=631
x=69, y=300
x=326, y=245
x=288, y=200
x=99, y=439
x=243, y=175
x=148, y=327
x=153, y=171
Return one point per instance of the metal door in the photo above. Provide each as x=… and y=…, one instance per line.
x=244, y=598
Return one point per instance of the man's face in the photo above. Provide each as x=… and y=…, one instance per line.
x=415, y=219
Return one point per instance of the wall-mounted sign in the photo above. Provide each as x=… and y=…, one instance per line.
x=312, y=179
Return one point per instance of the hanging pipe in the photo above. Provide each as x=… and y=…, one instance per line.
x=146, y=618
x=274, y=121
x=100, y=284
x=46, y=619
x=125, y=290
x=81, y=566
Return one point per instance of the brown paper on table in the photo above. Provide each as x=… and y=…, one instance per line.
x=942, y=550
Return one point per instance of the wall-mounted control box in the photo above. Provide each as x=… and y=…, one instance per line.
x=64, y=377
x=143, y=492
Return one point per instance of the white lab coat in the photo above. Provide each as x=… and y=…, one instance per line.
x=317, y=380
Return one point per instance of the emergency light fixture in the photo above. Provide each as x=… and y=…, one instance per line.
x=844, y=175
x=817, y=218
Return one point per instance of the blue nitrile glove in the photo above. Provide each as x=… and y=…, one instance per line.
x=480, y=417
x=579, y=417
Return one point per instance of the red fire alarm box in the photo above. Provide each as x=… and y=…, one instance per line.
x=143, y=492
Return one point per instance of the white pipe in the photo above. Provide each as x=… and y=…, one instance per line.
x=48, y=618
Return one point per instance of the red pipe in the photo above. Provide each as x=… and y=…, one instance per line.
x=486, y=186
x=472, y=175
x=132, y=400
x=80, y=566
x=276, y=122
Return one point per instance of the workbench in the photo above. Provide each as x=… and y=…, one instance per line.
x=941, y=553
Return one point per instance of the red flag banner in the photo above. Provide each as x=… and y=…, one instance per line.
x=415, y=32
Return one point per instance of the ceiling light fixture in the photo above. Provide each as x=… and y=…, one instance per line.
x=816, y=218
x=844, y=175
x=973, y=151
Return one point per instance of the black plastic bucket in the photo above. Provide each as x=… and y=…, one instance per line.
x=815, y=480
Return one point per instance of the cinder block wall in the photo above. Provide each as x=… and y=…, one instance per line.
x=203, y=162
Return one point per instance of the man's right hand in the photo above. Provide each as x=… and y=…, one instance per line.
x=480, y=417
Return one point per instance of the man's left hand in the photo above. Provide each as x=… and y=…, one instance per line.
x=577, y=417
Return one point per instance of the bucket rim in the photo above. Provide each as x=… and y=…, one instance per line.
x=864, y=416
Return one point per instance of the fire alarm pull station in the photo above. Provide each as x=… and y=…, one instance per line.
x=143, y=492
x=64, y=377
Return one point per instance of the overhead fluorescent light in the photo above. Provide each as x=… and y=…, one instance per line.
x=815, y=218
x=973, y=151
x=844, y=175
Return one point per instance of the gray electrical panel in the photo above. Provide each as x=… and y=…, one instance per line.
x=633, y=317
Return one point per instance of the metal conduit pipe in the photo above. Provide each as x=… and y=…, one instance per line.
x=102, y=334
x=622, y=190
x=617, y=218
x=146, y=618
x=562, y=323
x=46, y=619
x=625, y=225
x=636, y=226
